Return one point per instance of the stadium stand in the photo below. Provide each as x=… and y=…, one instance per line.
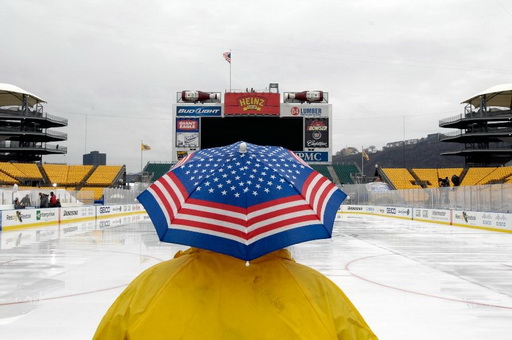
x=7, y=180
x=400, y=178
x=322, y=168
x=427, y=176
x=29, y=170
x=66, y=175
x=431, y=176
x=104, y=175
x=498, y=175
x=97, y=192
x=157, y=170
x=77, y=173
x=10, y=170
x=57, y=173
x=345, y=172
x=475, y=175
x=449, y=172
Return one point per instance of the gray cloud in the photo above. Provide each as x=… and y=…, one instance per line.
x=392, y=69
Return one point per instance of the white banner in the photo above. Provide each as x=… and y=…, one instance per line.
x=108, y=210
x=11, y=218
x=483, y=219
x=76, y=213
x=433, y=215
x=392, y=211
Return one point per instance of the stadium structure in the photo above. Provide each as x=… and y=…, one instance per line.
x=301, y=122
x=25, y=132
x=484, y=129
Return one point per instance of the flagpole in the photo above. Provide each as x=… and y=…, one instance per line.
x=230, y=70
x=141, y=151
x=362, y=164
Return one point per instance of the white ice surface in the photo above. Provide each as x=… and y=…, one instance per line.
x=409, y=280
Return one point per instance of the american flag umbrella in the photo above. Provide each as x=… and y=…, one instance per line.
x=242, y=200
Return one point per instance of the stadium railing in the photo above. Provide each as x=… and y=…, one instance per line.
x=483, y=198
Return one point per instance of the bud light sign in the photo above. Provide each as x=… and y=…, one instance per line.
x=198, y=111
x=313, y=156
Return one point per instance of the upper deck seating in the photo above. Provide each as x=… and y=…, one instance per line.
x=104, y=175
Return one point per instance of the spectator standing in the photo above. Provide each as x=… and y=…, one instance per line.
x=25, y=201
x=53, y=199
x=43, y=200
x=455, y=180
x=17, y=204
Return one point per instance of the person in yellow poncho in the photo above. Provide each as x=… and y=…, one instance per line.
x=202, y=294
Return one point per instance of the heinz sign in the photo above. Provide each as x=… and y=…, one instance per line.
x=251, y=104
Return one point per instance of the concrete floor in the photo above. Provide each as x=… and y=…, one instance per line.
x=410, y=280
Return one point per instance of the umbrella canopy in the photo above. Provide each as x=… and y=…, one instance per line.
x=13, y=95
x=242, y=200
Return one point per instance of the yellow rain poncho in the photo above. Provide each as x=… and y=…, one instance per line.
x=201, y=294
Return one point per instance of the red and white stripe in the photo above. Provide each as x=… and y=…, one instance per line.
x=317, y=190
x=182, y=161
x=240, y=224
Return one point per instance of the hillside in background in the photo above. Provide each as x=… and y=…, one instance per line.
x=426, y=153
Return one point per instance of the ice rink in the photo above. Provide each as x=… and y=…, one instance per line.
x=409, y=280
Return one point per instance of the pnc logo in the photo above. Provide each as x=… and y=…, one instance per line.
x=252, y=103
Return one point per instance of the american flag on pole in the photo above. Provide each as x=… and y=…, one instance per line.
x=227, y=56
x=244, y=204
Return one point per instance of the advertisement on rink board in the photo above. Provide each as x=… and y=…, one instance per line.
x=483, y=219
x=398, y=212
x=20, y=217
x=74, y=213
x=433, y=215
x=107, y=210
x=251, y=104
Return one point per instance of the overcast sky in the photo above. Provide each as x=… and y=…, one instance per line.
x=392, y=68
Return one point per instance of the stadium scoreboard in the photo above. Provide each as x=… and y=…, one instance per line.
x=300, y=122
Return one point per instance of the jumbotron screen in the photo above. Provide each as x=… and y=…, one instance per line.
x=279, y=131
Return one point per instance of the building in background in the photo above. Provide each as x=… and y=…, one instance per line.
x=95, y=158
